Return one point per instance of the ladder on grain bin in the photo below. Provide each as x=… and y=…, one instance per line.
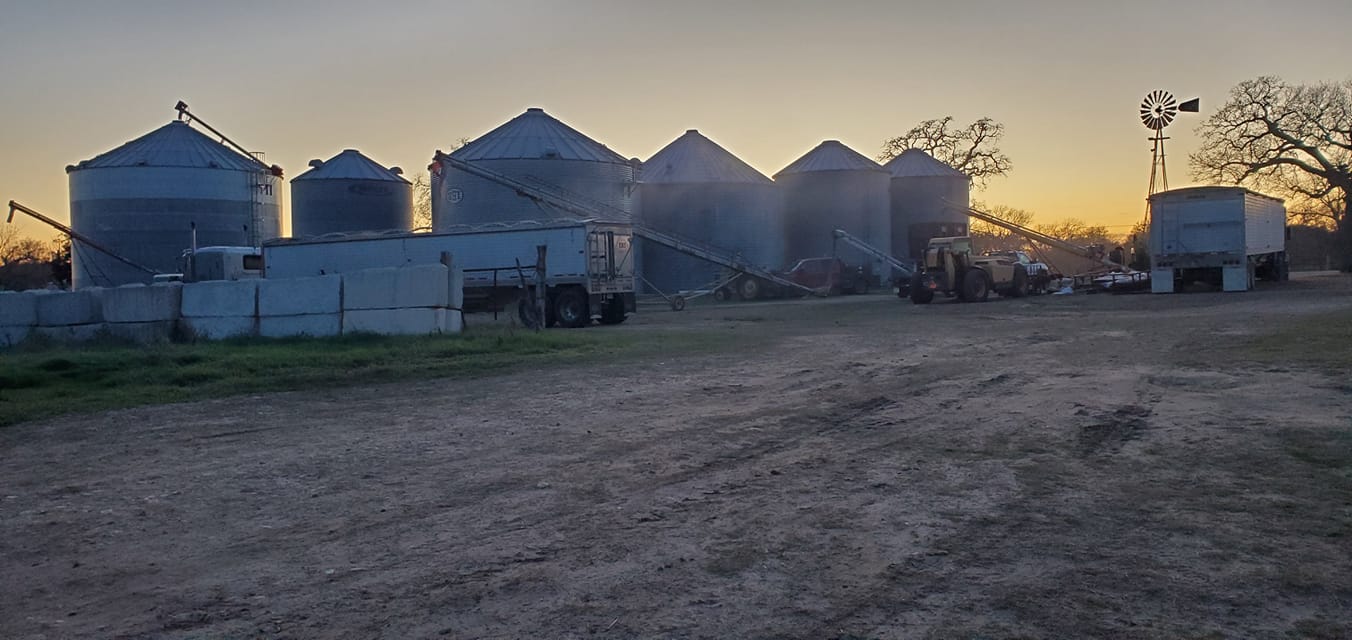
x=907, y=270
x=574, y=204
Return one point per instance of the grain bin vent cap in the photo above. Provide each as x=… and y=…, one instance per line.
x=350, y=165
x=915, y=163
x=533, y=135
x=695, y=159
x=830, y=155
x=174, y=145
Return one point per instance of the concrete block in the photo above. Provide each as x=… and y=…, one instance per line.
x=220, y=299
x=300, y=296
x=18, y=309
x=10, y=336
x=424, y=285
x=72, y=332
x=150, y=332
x=141, y=303
x=219, y=328
x=64, y=308
x=413, y=321
x=314, y=325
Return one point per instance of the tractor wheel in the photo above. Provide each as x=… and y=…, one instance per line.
x=975, y=286
x=920, y=294
x=1019, y=287
x=571, y=308
x=749, y=288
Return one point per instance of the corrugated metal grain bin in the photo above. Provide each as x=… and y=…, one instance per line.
x=698, y=190
x=835, y=187
x=349, y=192
x=920, y=186
x=141, y=199
x=536, y=149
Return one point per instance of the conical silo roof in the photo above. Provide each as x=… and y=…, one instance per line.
x=535, y=134
x=915, y=163
x=349, y=165
x=174, y=145
x=830, y=155
x=695, y=159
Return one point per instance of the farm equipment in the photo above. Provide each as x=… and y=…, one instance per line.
x=903, y=270
x=1039, y=274
x=950, y=268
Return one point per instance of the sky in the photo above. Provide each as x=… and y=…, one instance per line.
x=768, y=80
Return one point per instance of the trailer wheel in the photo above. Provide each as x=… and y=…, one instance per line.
x=678, y=303
x=571, y=308
x=975, y=286
x=749, y=288
x=722, y=294
x=527, y=313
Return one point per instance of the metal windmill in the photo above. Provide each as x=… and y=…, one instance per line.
x=1158, y=109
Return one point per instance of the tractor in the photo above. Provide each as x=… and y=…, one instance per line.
x=949, y=267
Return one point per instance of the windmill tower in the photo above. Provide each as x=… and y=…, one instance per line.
x=1158, y=109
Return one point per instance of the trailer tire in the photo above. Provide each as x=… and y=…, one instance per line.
x=722, y=294
x=570, y=307
x=749, y=288
x=678, y=303
x=526, y=313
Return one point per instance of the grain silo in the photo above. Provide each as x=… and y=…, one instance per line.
x=698, y=190
x=835, y=187
x=350, y=192
x=538, y=150
x=142, y=199
x=929, y=200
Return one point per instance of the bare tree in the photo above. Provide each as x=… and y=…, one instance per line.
x=989, y=237
x=1294, y=141
x=972, y=150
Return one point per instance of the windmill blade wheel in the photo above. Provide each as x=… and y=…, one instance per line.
x=1158, y=109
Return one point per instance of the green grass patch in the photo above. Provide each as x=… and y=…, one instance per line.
x=1323, y=341
x=40, y=381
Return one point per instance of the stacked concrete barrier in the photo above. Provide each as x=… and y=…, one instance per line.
x=18, y=316
x=73, y=316
x=410, y=300
x=141, y=313
x=220, y=309
x=300, y=307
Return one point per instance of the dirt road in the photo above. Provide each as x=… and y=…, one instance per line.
x=860, y=468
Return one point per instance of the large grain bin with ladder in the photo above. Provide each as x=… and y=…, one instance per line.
x=835, y=187
x=696, y=189
x=929, y=200
x=536, y=149
x=350, y=192
x=143, y=199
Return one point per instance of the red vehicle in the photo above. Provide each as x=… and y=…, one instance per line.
x=828, y=274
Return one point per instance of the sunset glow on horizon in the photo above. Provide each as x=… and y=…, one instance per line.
x=302, y=80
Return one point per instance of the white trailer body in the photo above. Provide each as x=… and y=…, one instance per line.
x=591, y=257
x=1225, y=235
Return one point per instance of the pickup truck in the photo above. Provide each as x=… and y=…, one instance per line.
x=1039, y=274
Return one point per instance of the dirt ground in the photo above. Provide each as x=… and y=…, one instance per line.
x=1053, y=467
